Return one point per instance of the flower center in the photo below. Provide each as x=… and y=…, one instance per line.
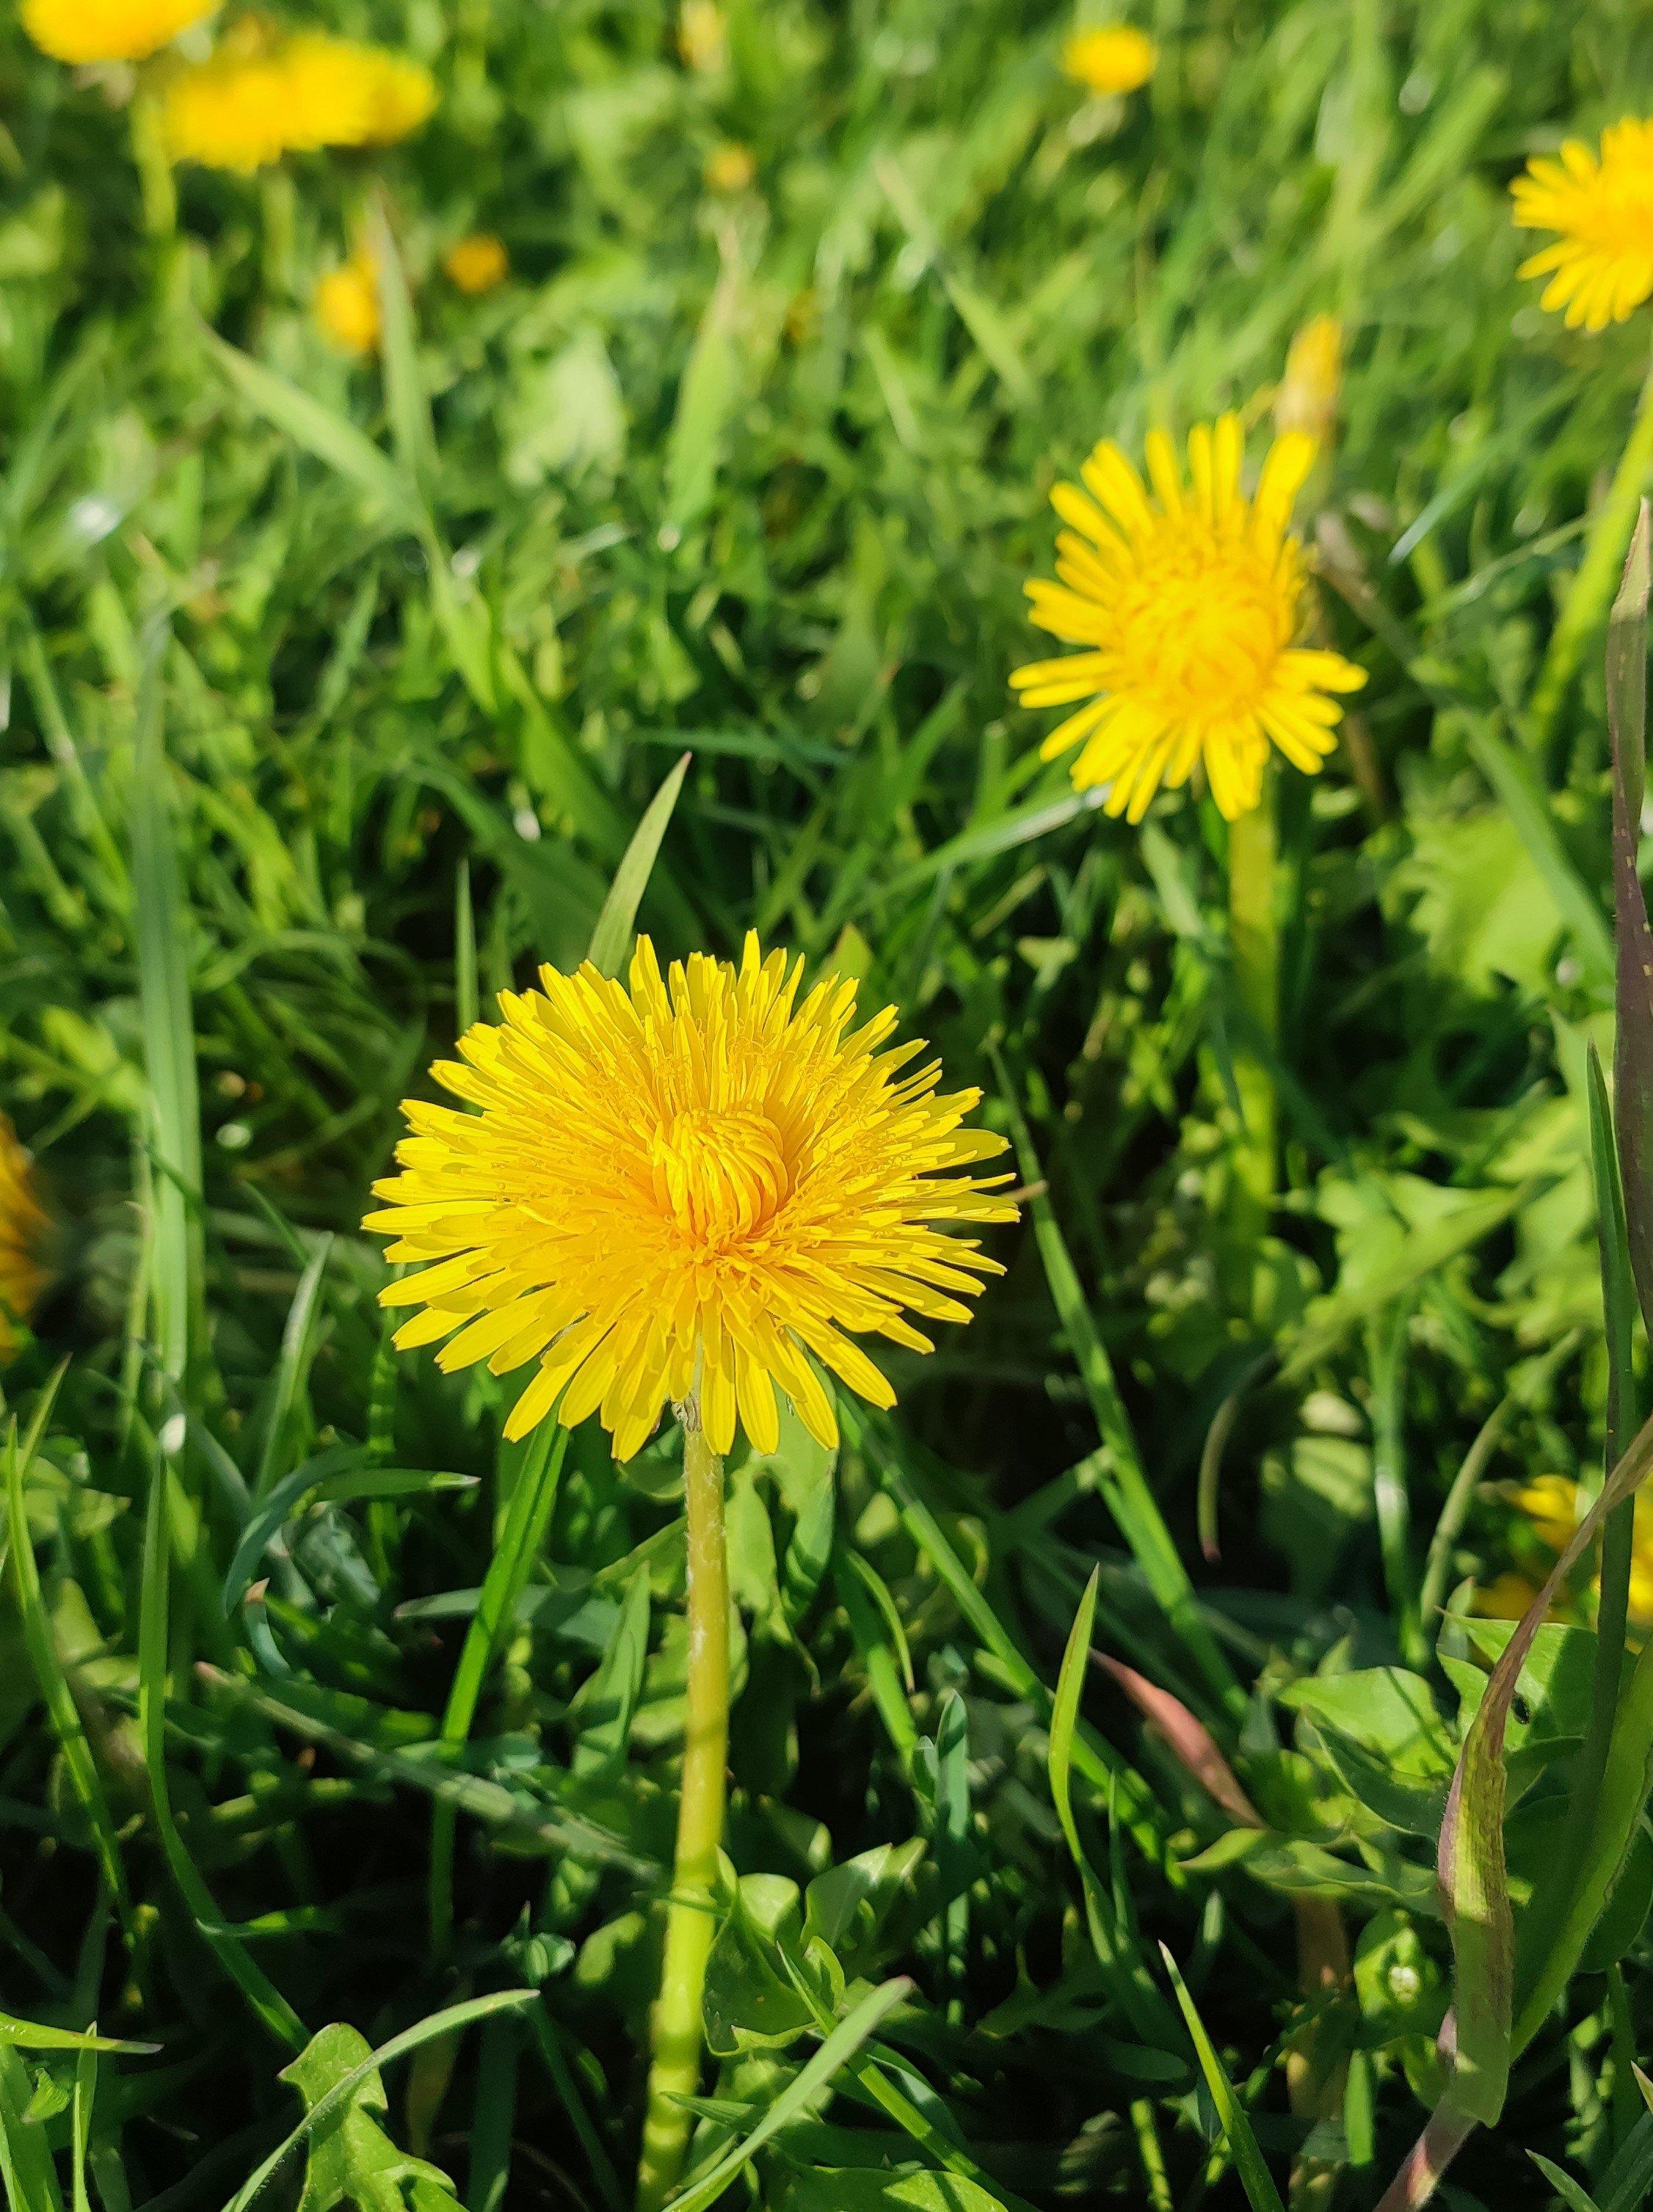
x=719, y=1172
x=1200, y=634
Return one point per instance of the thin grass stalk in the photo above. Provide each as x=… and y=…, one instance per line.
x=1254, y=926
x=1597, y=577
x=691, y=1918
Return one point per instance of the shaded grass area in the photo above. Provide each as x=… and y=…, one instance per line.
x=331, y=716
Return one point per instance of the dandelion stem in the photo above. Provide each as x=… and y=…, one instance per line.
x=154, y=170
x=691, y=1921
x=1597, y=579
x=1253, y=867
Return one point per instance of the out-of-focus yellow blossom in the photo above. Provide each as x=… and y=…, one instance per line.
x=83, y=31
x=344, y=94
x=729, y=167
x=477, y=264
x=260, y=96
x=702, y=36
x=1116, y=58
x=1309, y=392
x=1600, y=267
x=1505, y=1598
x=1553, y=1506
x=22, y=1224
x=1187, y=598
x=347, y=305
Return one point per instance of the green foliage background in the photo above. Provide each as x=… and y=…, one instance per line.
x=760, y=477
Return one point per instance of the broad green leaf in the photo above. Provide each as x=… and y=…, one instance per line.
x=349, y=2158
x=843, y=2189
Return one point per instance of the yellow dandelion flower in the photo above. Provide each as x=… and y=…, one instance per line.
x=1600, y=267
x=477, y=264
x=1116, y=58
x=1551, y=1504
x=346, y=305
x=702, y=36
x=1188, y=601
x=83, y=31
x=258, y=97
x=1308, y=392
x=1506, y=1597
x=22, y=1224
x=694, y=1177
x=729, y=167
x=231, y=111
x=343, y=94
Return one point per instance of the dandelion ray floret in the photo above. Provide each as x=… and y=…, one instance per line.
x=702, y=1180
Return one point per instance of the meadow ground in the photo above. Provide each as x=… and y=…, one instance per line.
x=335, y=685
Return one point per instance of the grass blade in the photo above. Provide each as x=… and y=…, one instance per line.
x=1632, y=1051
x=799, y=2093
x=66, y=1724
x=611, y=938
x=1260, y=2192
x=330, y=437
x=526, y=1524
x=162, y=932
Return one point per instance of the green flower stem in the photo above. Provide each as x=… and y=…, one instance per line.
x=1253, y=867
x=1597, y=580
x=691, y=1920
x=155, y=169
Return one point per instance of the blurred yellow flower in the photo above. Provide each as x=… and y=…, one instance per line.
x=344, y=94
x=729, y=167
x=259, y=96
x=347, y=307
x=22, y=1224
x=1116, y=58
x=108, y=30
x=1600, y=268
x=688, y=1182
x=1505, y=1598
x=1553, y=1505
x=1309, y=392
x=1187, y=599
x=477, y=264
x=702, y=36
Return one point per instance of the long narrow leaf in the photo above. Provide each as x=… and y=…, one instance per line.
x=1632, y=1051
x=615, y=924
x=1254, y=2178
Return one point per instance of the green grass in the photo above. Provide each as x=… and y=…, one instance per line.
x=333, y=696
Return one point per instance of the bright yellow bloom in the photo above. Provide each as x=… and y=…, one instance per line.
x=1308, y=396
x=1188, y=601
x=1551, y=1504
x=698, y=1184
x=1506, y=1597
x=702, y=36
x=108, y=30
x=344, y=94
x=22, y=1224
x=729, y=167
x=1114, y=59
x=346, y=305
x=258, y=97
x=477, y=264
x=1601, y=266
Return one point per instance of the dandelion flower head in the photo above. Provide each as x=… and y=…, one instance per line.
x=22, y=1224
x=702, y=36
x=1114, y=59
x=699, y=1179
x=346, y=305
x=259, y=96
x=1186, y=599
x=344, y=94
x=729, y=167
x=84, y=31
x=1600, y=267
x=1552, y=1505
x=1309, y=390
x=478, y=264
